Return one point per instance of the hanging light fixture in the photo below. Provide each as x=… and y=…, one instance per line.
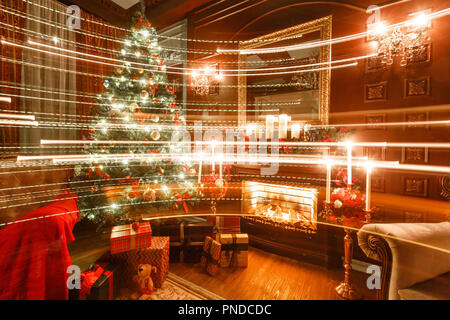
x=204, y=80
x=403, y=40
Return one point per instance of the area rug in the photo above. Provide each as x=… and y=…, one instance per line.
x=174, y=288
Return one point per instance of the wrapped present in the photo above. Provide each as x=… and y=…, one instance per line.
x=210, y=258
x=99, y=282
x=226, y=224
x=186, y=237
x=234, y=250
x=229, y=224
x=156, y=255
x=132, y=236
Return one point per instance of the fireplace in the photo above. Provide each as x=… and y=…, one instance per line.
x=286, y=207
x=282, y=219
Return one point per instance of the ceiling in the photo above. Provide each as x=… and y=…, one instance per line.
x=126, y=4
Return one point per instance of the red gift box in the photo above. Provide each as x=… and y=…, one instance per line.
x=226, y=224
x=98, y=283
x=156, y=255
x=129, y=237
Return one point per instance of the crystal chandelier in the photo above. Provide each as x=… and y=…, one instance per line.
x=403, y=41
x=204, y=81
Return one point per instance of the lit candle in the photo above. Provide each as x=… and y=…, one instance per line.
x=328, y=197
x=250, y=128
x=213, y=164
x=269, y=126
x=260, y=132
x=220, y=168
x=295, y=131
x=349, y=163
x=283, y=120
x=368, y=184
x=200, y=170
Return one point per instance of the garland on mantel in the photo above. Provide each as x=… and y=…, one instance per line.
x=328, y=134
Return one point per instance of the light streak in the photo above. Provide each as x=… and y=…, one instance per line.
x=436, y=14
x=17, y=116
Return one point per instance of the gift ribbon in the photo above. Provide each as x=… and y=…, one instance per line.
x=132, y=235
x=208, y=255
x=227, y=167
x=235, y=248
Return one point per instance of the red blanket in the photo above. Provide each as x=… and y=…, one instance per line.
x=33, y=252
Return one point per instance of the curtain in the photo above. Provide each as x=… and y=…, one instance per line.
x=10, y=72
x=88, y=86
x=58, y=76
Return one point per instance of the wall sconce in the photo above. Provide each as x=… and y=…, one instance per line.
x=403, y=40
x=206, y=80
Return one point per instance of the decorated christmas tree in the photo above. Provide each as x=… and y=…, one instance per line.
x=133, y=166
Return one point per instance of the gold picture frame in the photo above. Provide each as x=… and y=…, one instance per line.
x=323, y=25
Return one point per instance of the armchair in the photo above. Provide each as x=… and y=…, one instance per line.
x=415, y=259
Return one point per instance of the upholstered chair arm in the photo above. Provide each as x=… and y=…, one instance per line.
x=418, y=251
x=376, y=248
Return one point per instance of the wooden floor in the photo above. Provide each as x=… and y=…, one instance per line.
x=268, y=276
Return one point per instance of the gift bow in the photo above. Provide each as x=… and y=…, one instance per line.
x=89, y=277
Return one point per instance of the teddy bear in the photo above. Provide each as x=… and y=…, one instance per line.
x=144, y=281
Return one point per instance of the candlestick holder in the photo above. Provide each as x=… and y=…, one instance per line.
x=345, y=290
x=368, y=215
x=327, y=210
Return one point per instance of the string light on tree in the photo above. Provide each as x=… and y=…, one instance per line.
x=134, y=99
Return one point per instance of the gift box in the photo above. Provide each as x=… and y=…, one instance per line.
x=99, y=282
x=129, y=237
x=210, y=258
x=234, y=250
x=186, y=237
x=226, y=224
x=156, y=255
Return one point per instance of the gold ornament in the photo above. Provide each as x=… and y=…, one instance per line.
x=155, y=135
x=133, y=106
x=154, y=118
x=141, y=71
x=149, y=195
x=161, y=171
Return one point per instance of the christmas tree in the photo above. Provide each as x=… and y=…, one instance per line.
x=134, y=121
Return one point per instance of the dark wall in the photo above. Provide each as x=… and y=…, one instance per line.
x=241, y=20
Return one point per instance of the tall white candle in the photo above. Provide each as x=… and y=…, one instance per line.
x=251, y=127
x=283, y=120
x=349, y=163
x=213, y=164
x=368, y=186
x=200, y=171
x=328, y=197
x=220, y=168
x=295, y=131
x=269, y=126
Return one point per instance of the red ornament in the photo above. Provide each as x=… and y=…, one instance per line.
x=215, y=187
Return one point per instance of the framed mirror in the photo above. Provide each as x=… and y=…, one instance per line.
x=304, y=94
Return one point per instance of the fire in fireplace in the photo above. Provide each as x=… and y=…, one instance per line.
x=284, y=206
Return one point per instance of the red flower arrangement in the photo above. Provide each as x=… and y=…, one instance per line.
x=347, y=203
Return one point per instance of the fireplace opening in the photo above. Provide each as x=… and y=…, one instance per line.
x=283, y=206
x=282, y=219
